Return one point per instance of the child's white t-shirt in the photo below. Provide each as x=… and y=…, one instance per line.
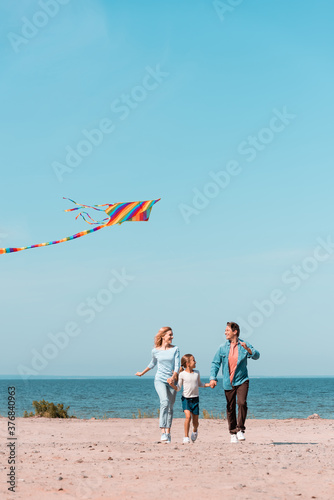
x=191, y=382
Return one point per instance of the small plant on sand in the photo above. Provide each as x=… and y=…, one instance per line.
x=149, y=414
x=26, y=414
x=206, y=414
x=48, y=410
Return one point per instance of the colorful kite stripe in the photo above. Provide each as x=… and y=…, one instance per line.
x=73, y=237
x=121, y=212
x=117, y=214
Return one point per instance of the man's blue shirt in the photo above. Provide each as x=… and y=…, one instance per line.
x=241, y=372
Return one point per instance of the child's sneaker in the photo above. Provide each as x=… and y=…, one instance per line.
x=186, y=440
x=234, y=438
x=169, y=438
x=163, y=438
x=241, y=436
x=194, y=436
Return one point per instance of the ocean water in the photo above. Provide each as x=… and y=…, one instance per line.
x=122, y=397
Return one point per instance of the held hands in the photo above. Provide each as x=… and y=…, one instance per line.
x=245, y=347
x=171, y=382
x=139, y=374
x=213, y=383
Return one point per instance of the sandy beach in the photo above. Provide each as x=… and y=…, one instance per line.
x=121, y=458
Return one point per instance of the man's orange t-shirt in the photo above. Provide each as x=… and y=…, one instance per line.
x=233, y=359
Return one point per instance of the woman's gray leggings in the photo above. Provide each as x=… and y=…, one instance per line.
x=167, y=397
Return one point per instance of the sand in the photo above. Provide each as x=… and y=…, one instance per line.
x=121, y=458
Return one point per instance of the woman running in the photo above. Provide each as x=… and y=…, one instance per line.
x=167, y=357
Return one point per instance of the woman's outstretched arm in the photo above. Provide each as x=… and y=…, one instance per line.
x=150, y=366
x=140, y=374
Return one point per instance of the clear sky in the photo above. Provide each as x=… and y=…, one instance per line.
x=224, y=110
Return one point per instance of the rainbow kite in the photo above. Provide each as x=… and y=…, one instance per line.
x=117, y=213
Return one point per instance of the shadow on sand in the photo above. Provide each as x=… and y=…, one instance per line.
x=288, y=443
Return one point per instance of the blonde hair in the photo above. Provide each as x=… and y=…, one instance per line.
x=159, y=336
x=184, y=360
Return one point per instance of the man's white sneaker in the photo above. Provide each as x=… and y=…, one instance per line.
x=163, y=438
x=234, y=438
x=169, y=438
x=186, y=440
x=241, y=436
x=194, y=436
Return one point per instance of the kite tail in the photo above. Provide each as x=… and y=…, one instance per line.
x=68, y=238
x=103, y=221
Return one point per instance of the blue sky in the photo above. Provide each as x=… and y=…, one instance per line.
x=226, y=115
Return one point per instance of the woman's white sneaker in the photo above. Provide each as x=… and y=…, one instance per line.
x=234, y=438
x=186, y=440
x=241, y=436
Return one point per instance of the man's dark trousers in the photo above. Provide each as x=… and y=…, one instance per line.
x=237, y=394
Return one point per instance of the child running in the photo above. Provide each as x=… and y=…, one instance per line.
x=191, y=380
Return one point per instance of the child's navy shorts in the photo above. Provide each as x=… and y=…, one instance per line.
x=191, y=404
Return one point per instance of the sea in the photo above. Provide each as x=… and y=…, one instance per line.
x=133, y=397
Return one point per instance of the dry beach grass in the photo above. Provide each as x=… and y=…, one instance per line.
x=123, y=458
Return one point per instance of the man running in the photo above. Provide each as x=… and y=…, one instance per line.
x=233, y=357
